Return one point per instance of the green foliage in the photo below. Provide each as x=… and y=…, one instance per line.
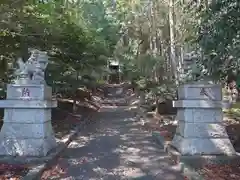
x=142, y=83
x=79, y=37
x=164, y=91
x=219, y=37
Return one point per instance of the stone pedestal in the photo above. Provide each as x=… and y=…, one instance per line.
x=200, y=128
x=27, y=128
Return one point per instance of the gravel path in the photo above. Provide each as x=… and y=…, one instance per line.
x=114, y=147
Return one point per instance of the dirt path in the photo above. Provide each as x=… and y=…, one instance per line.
x=114, y=147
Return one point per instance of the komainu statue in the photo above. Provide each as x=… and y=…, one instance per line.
x=33, y=70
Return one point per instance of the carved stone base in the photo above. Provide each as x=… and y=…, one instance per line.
x=17, y=139
x=200, y=146
x=27, y=128
x=27, y=147
x=200, y=129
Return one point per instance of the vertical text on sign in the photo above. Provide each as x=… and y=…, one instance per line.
x=25, y=92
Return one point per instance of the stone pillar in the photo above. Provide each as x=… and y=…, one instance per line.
x=27, y=128
x=200, y=128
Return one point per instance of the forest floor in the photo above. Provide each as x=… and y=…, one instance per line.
x=167, y=128
x=63, y=122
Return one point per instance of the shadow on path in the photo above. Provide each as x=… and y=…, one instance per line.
x=114, y=147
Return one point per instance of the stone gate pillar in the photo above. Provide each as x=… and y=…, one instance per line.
x=200, y=129
x=27, y=128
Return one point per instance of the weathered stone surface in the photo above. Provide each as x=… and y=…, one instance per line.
x=200, y=129
x=24, y=115
x=28, y=131
x=27, y=128
x=203, y=146
x=195, y=92
x=198, y=104
x=27, y=147
x=27, y=104
x=39, y=92
x=194, y=115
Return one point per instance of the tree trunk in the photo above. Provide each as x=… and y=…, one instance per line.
x=74, y=110
x=172, y=41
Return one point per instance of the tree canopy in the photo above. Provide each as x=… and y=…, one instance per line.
x=150, y=38
x=219, y=36
x=77, y=36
